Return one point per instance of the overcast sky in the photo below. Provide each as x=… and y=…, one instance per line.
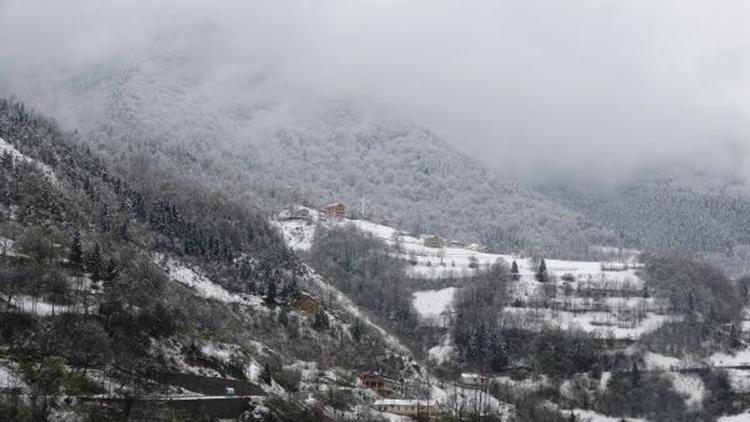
x=537, y=88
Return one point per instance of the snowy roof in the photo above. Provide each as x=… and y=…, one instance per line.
x=335, y=204
x=404, y=402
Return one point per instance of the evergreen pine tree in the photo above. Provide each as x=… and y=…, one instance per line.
x=111, y=270
x=514, y=271
x=284, y=317
x=357, y=330
x=94, y=263
x=271, y=291
x=76, y=252
x=635, y=375
x=321, y=321
x=541, y=274
x=265, y=374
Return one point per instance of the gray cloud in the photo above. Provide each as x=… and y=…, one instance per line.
x=535, y=88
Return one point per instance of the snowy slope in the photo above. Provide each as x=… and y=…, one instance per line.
x=7, y=148
x=432, y=304
x=455, y=259
x=627, y=315
x=201, y=284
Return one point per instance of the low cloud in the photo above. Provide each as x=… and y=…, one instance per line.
x=538, y=89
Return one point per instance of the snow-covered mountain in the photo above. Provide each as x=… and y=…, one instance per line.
x=239, y=133
x=673, y=208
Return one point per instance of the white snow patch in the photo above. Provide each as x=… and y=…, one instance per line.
x=604, y=380
x=443, y=352
x=18, y=156
x=741, y=358
x=689, y=385
x=457, y=397
x=661, y=362
x=252, y=371
x=9, y=378
x=220, y=351
x=599, y=324
x=591, y=416
x=170, y=350
x=203, y=286
x=739, y=379
x=743, y=417
x=432, y=304
x=297, y=233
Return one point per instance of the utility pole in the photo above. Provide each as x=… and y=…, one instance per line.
x=362, y=211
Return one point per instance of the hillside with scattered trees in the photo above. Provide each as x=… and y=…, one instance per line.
x=126, y=283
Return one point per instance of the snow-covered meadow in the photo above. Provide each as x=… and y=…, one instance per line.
x=603, y=298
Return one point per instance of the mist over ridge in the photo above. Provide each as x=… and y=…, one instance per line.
x=535, y=90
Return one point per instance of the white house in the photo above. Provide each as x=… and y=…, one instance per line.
x=406, y=407
x=472, y=379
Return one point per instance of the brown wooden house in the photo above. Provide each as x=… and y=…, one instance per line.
x=335, y=210
x=306, y=303
x=377, y=383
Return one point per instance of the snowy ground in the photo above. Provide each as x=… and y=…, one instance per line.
x=599, y=324
x=691, y=386
x=432, y=305
x=9, y=376
x=20, y=157
x=298, y=233
x=740, y=358
x=443, y=352
x=201, y=284
x=743, y=417
x=452, y=397
x=627, y=315
x=591, y=416
x=655, y=361
x=455, y=259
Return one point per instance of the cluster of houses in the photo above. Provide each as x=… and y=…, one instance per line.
x=384, y=387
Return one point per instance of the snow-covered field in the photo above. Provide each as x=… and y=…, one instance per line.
x=454, y=259
x=655, y=361
x=622, y=314
x=743, y=417
x=691, y=386
x=454, y=397
x=600, y=324
x=740, y=358
x=433, y=304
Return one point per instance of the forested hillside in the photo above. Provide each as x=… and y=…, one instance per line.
x=676, y=209
x=241, y=136
x=124, y=285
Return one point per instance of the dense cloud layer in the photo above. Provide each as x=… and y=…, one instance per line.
x=538, y=88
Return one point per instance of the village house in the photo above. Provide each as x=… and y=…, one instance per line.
x=433, y=242
x=377, y=383
x=306, y=303
x=335, y=210
x=406, y=407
